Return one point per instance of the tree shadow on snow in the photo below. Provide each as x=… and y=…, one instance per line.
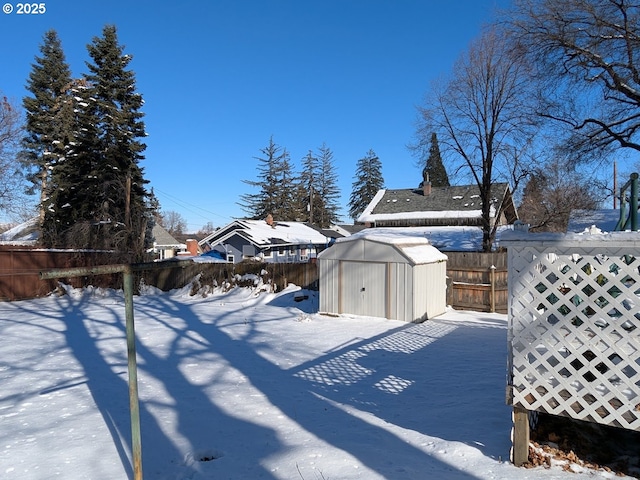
x=107, y=380
x=355, y=376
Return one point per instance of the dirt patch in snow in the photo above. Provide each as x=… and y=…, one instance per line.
x=576, y=444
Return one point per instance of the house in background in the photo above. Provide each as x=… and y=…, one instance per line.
x=268, y=241
x=26, y=233
x=438, y=206
x=164, y=245
x=450, y=217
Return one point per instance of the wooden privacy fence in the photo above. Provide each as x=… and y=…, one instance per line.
x=20, y=269
x=574, y=341
x=473, y=284
x=477, y=281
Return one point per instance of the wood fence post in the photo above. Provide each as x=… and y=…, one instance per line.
x=520, y=440
x=492, y=280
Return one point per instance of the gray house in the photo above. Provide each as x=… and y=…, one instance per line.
x=268, y=241
x=383, y=272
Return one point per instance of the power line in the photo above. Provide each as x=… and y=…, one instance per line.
x=186, y=205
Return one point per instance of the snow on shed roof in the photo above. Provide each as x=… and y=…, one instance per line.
x=411, y=242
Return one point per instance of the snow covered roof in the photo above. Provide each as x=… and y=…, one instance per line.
x=445, y=239
x=23, y=234
x=446, y=203
x=162, y=238
x=581, y=220
x=260, y=233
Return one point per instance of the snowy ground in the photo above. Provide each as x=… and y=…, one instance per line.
x=258, y=385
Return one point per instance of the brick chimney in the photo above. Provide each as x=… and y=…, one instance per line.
x=270, y=221
x=426, y=187
x=192, y=246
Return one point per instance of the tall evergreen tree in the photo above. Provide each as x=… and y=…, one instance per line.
x=114, y=190
x=48, y=124
x=308, y=192
x=64, y=205
x=434, y=169
x=368, y=180
x=276, y=184
x=328, y=188
x=286, y=205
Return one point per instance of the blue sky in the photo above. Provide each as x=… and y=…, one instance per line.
x=219, y=78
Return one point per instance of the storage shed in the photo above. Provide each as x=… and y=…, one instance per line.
x=383, y=272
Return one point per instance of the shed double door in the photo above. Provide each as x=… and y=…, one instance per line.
x=363, y=288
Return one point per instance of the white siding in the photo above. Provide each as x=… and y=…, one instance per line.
x=329, y=285
x=430, y=295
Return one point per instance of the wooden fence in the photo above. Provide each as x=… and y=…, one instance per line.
x=20, y=269
x=473, y=284
x=477, y=281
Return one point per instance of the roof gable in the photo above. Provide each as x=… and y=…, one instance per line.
x=163, y=238
x=260, y=233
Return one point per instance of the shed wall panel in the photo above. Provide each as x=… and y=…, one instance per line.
x=329, y=281
x=430, y=296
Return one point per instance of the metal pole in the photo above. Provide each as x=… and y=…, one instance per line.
x=127, y=277
x=633, y=207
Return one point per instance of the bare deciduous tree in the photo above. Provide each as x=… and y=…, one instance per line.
x=173, y=222
x=551, y=193
x=480, y=118
x=11, y=181
x=585, y=55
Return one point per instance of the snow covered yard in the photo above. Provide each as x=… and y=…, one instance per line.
x=249, y=384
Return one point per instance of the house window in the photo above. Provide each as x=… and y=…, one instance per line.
x=231, y=259
x=281, y=251
x=292, y=250
x=267, y=253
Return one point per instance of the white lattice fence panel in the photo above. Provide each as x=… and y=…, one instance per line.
x=574, y=318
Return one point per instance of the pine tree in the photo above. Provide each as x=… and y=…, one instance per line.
x=329, y=191
x=308, y=194
x=434, y=170
x=286, y=204
x=63, y=208
x=49, y=121
x=276, y=184
x=368, y=181
x=114, y=189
